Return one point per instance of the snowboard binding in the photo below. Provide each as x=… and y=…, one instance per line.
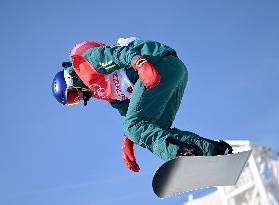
x=222, y=148
x=185, y=149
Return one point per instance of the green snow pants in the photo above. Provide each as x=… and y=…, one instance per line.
x=152, y=111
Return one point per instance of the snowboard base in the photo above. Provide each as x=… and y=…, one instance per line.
x=188, y=173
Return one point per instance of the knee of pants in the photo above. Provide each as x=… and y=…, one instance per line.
x=132, y=130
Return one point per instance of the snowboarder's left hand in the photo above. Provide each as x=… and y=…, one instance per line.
x=128, y=155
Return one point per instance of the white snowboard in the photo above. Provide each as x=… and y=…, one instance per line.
x=194, y=172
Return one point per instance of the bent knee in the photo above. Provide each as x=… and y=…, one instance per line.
x=133, y=130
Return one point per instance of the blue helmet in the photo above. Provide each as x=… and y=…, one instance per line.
x=59, y=88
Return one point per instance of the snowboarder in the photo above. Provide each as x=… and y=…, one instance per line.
x=145, y=81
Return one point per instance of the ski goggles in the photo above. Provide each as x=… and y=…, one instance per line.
x=72, y=96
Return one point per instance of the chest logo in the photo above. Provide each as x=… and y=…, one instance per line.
x=105, y=64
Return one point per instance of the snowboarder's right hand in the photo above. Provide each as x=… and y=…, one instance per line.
x=128, y=155
x=148, y=74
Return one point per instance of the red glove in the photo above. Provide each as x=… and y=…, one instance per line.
x=148, y=74
x=128, y=154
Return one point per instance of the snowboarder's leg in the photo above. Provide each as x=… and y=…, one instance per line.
x=204, y=147
x=142, y=124
x=151, y=112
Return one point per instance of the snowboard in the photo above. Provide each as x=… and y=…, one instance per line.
x=188, y=173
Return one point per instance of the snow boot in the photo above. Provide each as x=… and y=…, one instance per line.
x=222, y=148
x=185, y=149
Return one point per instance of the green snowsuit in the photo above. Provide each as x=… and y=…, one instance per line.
x=149, y=113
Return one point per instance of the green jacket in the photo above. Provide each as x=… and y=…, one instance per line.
x=106, y=59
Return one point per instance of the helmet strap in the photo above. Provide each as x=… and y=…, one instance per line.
x=87, y=95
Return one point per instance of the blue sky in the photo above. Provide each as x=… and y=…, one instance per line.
x=56, y=155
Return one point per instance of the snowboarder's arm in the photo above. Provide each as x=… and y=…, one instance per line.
x=148, y=74
x=121, y=106
x=128, y=155
x=106, y=60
